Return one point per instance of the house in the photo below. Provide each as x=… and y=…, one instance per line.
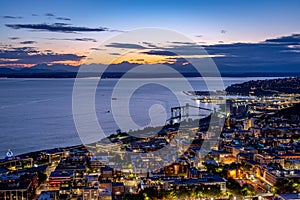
x=290, y=196
x=17, y=190
x=60, y=177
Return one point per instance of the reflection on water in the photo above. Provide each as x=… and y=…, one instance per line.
x=36, y=114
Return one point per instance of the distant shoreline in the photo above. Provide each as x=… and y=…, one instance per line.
x=271, y=87
x=33, y=153
x=119, y=75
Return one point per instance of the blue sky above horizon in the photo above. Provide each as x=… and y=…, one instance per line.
x=65, y=32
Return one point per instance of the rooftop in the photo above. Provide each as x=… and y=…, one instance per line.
x=22, y=185
x=58, y=174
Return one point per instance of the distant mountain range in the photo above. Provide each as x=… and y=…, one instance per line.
x=118, y=70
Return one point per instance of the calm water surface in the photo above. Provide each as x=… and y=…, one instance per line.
x=36, y=114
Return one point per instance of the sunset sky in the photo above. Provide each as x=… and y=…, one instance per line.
x=65, y=32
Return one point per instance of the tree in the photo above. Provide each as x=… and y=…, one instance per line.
x=234, y=187
x=248, y=190
x=288, y=164
x=41, y=177
x=287, y=186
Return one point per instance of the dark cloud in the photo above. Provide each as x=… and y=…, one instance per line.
x=49, y=14
x=223, y=31
x=75, y=39
x=160, y=53
x=35, y=15
x=292, y=39
x=29, y=55
x=11, y=17
x=85, y=39
x=281, y=54
x=184, y=43
x=199, y=36
x=149, y=44
x=273, y=53
x=14, y=38
x=115, y=54
x=56, y=27
x=48, y=51
x=96, y=49
x=185, y=49
x=63, y=18
x=125, y=46
x=61, y=24
x=28, y=42
x=115, y=30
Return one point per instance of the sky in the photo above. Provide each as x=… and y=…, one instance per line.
x=65, y=32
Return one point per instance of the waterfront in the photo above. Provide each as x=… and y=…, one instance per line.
x=37, y=113
x=255, y=157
